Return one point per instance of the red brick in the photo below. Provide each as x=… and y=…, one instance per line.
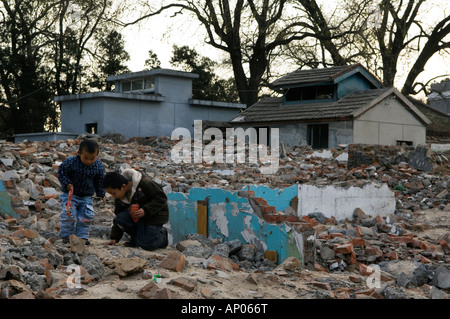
x=380, y=220
x=164, y=293
x=22, y=153
x=373, y=251
x=260, y=201
x=319, y=267
x=330, y=221
x=268, y=209
x=27, y=294
x=30, y=234
x=302, y=226
x=38, y=206
x=148, y=291
x=324, y=235
x=355, y=278
x=358, y=242
x=173, y=261
x=344, y=249
x=222, y=263
x=420, y=227
x=333, y=235
x=424, y=260
x=408, y=239
x=445, y=246
x=313, y=222
x=365, y=270
x=291, y=218
x=392, y=255
x=183, y=283
x=22, y=211
x=273, y=218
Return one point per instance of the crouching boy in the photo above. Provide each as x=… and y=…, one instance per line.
x=144, y=225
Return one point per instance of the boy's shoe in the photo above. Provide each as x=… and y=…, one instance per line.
x=129, y=244
x=65, y=240
x=86, y=242
x=166, y=238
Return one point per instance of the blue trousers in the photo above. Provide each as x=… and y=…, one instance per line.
x=148, y=237
x=78, y=221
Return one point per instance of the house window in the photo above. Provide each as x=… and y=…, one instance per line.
x=91, y=128
x=404, y=143
x=126, y=86
x=318, y=135
x=139, y=85
x=325, y=92
x=310, y=93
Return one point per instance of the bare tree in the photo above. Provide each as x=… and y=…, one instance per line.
x=392, y=32
x=248, y=31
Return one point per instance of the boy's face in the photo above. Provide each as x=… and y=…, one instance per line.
x=117, y=193
x=87, y=158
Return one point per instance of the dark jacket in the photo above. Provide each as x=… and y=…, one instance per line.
x=149, y=196
x=85, y=179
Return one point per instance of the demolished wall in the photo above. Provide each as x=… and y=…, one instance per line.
x=340, y=202
x=234, y=215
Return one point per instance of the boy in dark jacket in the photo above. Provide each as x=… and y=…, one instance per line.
x=83, y=175
x=146, y=230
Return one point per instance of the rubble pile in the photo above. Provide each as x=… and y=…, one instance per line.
x=338, y=257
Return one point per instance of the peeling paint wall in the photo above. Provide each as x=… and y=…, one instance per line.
x=6, y=209
x=231, y=216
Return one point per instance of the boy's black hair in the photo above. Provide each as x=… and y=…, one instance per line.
x=89, y=146
x=114, y=180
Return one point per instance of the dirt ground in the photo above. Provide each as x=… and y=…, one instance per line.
x=215, y=284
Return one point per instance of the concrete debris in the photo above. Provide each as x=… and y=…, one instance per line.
x=402, y=255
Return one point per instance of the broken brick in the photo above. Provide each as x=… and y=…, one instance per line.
x=273, y=218
x=407, y=239
x=183, y=283
x=27, y=233
x=424, y=260
x=445, y=245
x=392, y=255
x=312, y=221
x=173, y=261
x=365, y=270
x=268, y=209
x=373, y=251
x=344, y=249
x=334, y=235
x=359, y=242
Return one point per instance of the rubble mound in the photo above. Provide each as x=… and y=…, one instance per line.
x=403, y=255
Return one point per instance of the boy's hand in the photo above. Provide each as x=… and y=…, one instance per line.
x=69, y=187
x=139, y=213
x=112, y=242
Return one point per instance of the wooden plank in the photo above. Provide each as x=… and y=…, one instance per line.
x=202, y=217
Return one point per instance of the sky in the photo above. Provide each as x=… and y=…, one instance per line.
x=160, y=33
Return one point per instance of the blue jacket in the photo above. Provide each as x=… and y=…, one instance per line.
x=85, y=179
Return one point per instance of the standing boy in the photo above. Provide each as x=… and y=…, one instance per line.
x=145, y=225
x=83, y=174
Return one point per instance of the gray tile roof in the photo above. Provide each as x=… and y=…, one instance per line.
x=313, y=75
x=271, y=109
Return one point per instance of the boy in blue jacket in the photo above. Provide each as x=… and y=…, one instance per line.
x=83, y=174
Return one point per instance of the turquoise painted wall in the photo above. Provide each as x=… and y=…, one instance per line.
x=231, y=217
x=5, y=203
